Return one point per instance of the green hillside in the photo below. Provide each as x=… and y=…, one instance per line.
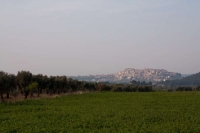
x=193, y=80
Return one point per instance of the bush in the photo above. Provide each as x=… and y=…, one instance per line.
x=131, y=88
x=198, y=88
x=170, y=90
x=186, y=88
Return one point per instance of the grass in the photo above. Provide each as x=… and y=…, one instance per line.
x=154, y=112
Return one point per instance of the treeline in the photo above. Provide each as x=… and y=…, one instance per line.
x=188, y=88
x=28, y=84
x=134, y=82
x=193, y=80
x=124, y=88
x=132, y=88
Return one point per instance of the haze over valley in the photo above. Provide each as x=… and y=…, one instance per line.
x=125, y=76
x=56, y=37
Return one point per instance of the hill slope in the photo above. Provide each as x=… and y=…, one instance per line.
x=128, y=74
x=193, y=80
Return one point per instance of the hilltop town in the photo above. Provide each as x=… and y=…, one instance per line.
x=125, y=76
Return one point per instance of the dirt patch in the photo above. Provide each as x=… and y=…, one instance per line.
x=20, y=97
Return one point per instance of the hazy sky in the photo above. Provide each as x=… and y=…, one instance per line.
x=81, y=37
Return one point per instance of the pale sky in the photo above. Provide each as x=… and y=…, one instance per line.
x=82, y=37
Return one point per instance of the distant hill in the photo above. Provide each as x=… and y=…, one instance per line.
x=193, y=80
x=185, y=75
x=129, y=74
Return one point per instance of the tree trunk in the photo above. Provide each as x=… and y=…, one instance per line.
x=2, y=97
x=47, y=91
x=51, y=92
x=32, y=94
x=7, y=95
x=26, y=95
x=38, y=92
x=58, y=91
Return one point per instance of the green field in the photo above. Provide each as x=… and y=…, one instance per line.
x=155, y=112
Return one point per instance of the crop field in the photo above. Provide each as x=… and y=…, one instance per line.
x=153, y=112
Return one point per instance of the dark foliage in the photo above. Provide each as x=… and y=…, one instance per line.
x=131, y=88
x=186, y=88
x=28, y=84
x=134, y=82
x=193, y=80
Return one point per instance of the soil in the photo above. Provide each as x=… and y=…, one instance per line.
x=20, y=97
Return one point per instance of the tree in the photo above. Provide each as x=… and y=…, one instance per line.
x=3, y=82
x=198, y=88
x=24, y=78
x=32, y=87
x=134, y=82
x=39, y=79
x=57, y=85
x=11, y=84
x=63, y=83
x=51, y=85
